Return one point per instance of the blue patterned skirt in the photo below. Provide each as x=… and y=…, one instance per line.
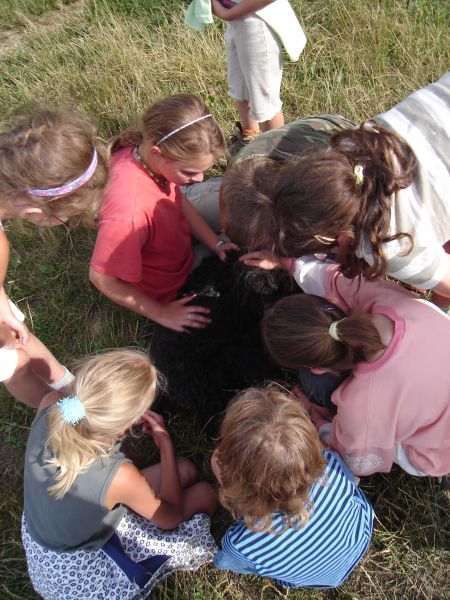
x=93, y=574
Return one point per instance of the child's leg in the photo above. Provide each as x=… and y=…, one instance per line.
x=24, y=384
x=248, y=123
x=260, y=58
x=197, y=497
x=44, y=364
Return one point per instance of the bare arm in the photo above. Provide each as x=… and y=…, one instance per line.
x=6, y=316
x=203, y=232
x=130, y=487
x=443, y=287
x=175, y=315
x=238, y=11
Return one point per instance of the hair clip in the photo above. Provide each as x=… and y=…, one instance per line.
x=323, y=239
x=72, y=409
x=327, y=308
x=359, y=174
x=333, y=331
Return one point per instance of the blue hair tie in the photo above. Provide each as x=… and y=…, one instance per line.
x=72, y=410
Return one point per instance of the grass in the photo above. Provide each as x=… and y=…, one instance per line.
x=109, y=59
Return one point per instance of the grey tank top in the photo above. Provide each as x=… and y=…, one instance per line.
x=80, y=520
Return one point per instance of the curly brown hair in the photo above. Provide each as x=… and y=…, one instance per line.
x=318, y=197
x=269, y=455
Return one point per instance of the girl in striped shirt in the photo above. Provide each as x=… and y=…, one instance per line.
x=300, y=518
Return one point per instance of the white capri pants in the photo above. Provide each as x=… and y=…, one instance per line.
x=255, y=66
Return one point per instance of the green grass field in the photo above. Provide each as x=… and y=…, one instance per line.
x=109, y=59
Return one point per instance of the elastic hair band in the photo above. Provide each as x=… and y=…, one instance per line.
x=333, y=331
x=72, y=410
x=168, y=135
x=359, y=174
x=72, y=185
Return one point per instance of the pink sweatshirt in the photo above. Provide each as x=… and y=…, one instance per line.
x=401, y=402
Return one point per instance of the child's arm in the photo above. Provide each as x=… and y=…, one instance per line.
x=175, y=315
x=130, y=487
x=203, y=232
x=244, y=8
x=6, y=315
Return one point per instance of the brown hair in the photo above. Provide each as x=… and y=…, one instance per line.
x=47, y=148
x=246, y=202
x=318, y=197
x=166, y=115
x=269, y=455
x=296, y=334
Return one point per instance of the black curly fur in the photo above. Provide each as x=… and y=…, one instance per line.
x=206, y=368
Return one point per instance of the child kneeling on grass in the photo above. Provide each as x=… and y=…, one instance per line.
x=301, y=520
x=51, y=171
x=93, y=523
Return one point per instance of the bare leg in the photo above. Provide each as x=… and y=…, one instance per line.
x=197, y=497
x=24, y=384
x=247, y=121
x=276, y=121
x=44, y=364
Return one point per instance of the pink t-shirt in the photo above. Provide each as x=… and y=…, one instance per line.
x=143, y=235
x=404, y=396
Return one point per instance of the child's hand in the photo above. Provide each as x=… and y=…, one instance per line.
x=221, y=250
x=264, y=259
x=320, y=413
x=153, y=424
x=8, y=337
x=20, y=330
x=219, y=10
x=177, y=316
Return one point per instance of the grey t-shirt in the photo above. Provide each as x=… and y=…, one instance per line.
x=80, y=520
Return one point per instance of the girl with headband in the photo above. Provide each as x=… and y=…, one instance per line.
x=144, y=252
x=51, y=171
x=389, y=349
x=93, y=524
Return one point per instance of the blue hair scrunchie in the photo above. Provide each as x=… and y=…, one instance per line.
x=72, y=410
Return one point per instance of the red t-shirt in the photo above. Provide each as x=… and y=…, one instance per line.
x=143, y=236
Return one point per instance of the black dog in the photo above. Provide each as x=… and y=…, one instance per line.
x=206, y=368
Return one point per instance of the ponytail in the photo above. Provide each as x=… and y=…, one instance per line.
x=306, y=331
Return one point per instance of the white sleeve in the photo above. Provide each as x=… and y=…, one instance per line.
x=309, y=273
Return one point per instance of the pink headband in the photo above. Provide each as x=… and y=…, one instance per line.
x=168, y=135
x=72, y=185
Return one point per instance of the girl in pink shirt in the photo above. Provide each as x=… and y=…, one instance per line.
x=393, y=406
x=144, y=253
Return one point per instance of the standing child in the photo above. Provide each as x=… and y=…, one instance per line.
x=301, y=520
x=50, y=171
x=93, y=523
x=144, y=253
x=390, y=349
x=256, y=32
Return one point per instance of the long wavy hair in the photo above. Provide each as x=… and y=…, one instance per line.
x=116, y=388
x=318, y=197
x=269, y=455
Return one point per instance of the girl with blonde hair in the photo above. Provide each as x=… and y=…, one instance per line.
x=93, y=524
x=144, y=253
x=291, y=498
x=51, y=171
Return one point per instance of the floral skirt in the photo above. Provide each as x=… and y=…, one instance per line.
x=92, y=574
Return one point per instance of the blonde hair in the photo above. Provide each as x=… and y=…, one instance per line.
x=115, y=388
x=47, y=148
x=269, y=455
x=166, y=115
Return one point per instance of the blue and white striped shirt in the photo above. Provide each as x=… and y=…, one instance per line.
x=323, y=553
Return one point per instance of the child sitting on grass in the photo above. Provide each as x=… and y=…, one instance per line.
x=301, y=520
x=50, y=171
x=144, y=252
x=93, y=524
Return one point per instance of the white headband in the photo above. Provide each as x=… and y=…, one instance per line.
x=168, y=135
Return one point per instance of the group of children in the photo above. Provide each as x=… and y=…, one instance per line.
x=370, y=355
